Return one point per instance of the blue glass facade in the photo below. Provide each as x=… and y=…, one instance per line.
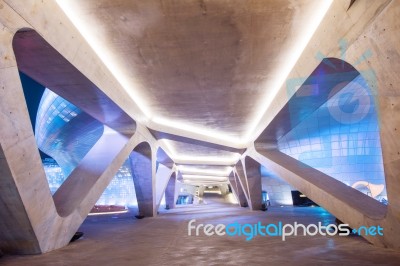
x=120, y=191
x=66, y=133
x=341, y=138
x=277, y=190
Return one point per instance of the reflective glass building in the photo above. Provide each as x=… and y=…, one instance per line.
x=341, y=139
x=66, y=133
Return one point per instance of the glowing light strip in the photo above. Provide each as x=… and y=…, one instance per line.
x=199, y=159
x=203, y=177
x=284, y=73
x=270, y=96
x=212, y=192
x=193, y=170
x=217, y=135
x=104, y=54
x=203, y=182
x=103, y=213
x=207, y=159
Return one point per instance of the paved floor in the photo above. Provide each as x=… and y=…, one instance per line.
x=124, y=240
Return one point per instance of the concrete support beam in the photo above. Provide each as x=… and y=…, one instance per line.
x=253, y=177
x=31, y=220
x=16, y=138
x=163, y=176
x=143, y=166
x=387, y=52
x=79, y=183
x=16, y=232
x=369, y=32
x=381, y=40
x=248, y=171
x=37, y=59
x=346, y=203
x=170, y=192
x=237, y=190
x=241, y=179
x=57, y=29
x=224, y=189
x=201, y=191
x=165, y=171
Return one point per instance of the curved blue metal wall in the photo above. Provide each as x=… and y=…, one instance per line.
x=66, y=133
x=341, y=138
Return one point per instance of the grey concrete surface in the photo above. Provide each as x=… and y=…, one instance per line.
x=237, y=190
x=143, y=172
x=170, y=192
x=178, y=67
x=163, y=240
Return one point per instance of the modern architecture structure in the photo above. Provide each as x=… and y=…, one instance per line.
x=154, y=103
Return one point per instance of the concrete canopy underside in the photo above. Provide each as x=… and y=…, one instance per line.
x=189, y=78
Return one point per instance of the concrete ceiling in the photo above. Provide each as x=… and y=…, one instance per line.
x=205, y=70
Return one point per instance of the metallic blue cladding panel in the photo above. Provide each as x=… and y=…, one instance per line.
x=66, y=133
x=341, y=138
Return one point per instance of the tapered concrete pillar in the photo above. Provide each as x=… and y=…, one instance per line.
x=346, y=203
x=249, y=177
x=237, y=190
x=163, y=175
x=31, y=220
x=201, y=191
x=224, y=190
x=241, y=179
x=165, y=171
x=383, y=43
x=170, y=193
x=16, y=233
x=143, y=174
x=253, y=177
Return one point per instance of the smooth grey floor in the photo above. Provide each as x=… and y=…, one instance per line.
x=124, y=240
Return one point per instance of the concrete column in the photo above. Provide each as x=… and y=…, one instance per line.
x=162, y=178
x=237, y=190
x=253, y=177
x=241, y=180
x=31, y=221
x=81, y=180
x=16, y=138
x=224, y=190
x=381, y=39
x=170, y=192
x=346, y=203
x=143, y=174
x=249, y=177
x=201, y=191
x=16, y=232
